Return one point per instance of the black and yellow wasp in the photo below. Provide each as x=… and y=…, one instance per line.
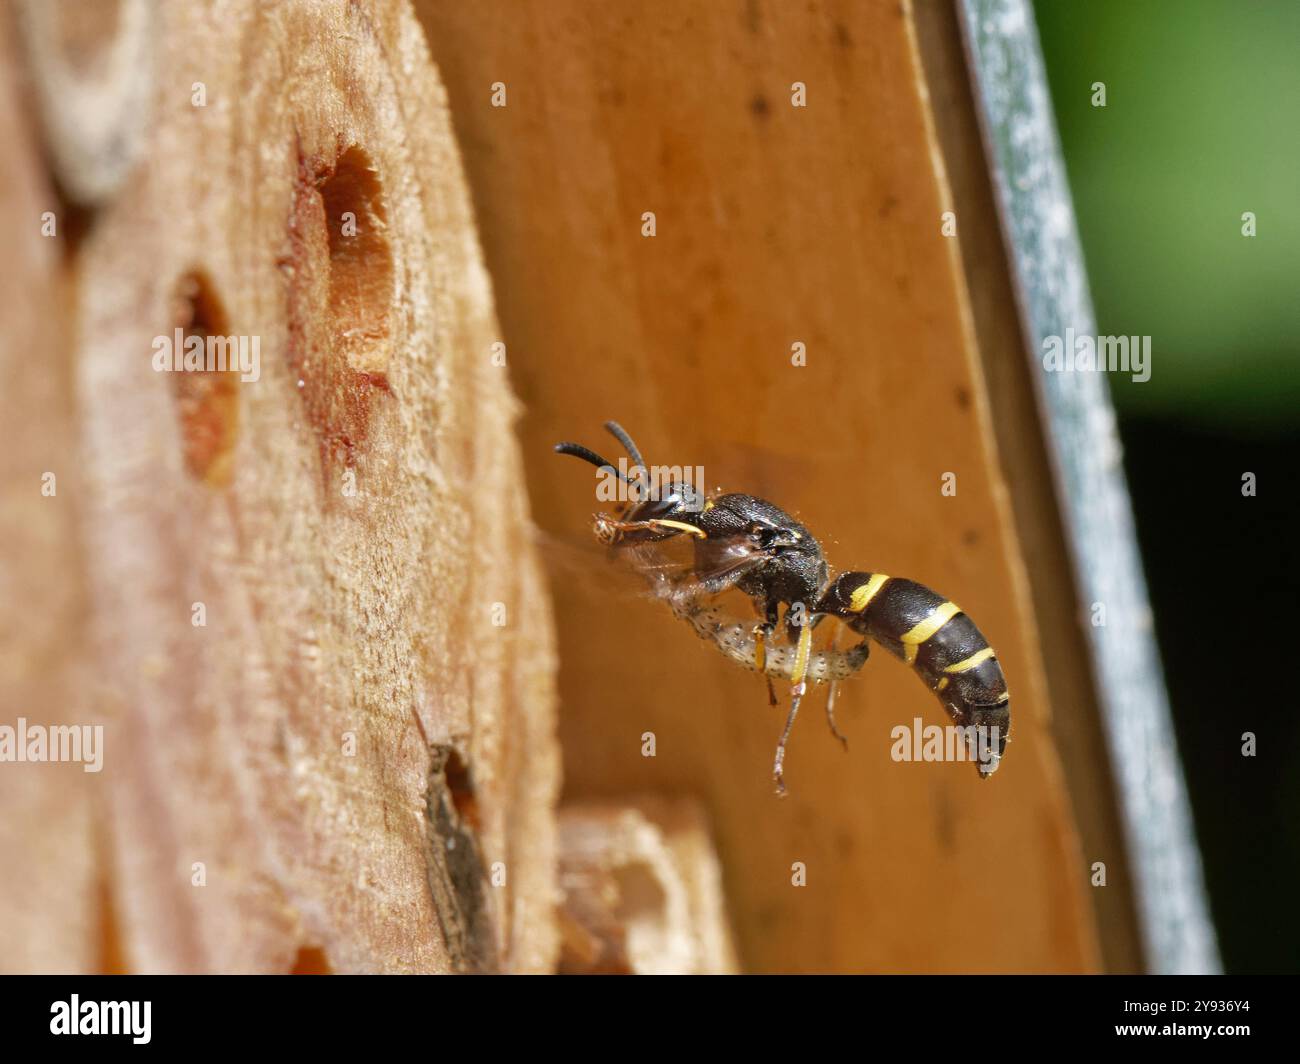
x=745, y=542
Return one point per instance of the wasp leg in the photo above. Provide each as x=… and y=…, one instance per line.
x=778, y=766
x=831, y=695
x=761, y=634
x=830, y=714
x=798, y=687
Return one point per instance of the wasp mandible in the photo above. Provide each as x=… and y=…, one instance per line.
x=748, y=543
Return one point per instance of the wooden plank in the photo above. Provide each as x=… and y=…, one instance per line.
x=50, y=902
x=1076, y=716
x=642, y=891
x=775, y=225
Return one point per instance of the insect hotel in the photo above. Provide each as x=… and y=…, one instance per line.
x=299, y=300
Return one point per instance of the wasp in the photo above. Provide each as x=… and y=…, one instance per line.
x=747, y=543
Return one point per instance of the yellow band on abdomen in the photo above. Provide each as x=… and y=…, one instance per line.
x=935, y=620
x=863, y=595
x=966, y=664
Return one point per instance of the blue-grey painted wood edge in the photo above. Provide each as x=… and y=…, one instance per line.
x=1038, y=221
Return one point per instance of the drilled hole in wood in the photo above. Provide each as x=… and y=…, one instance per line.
x=457, y=876
x=460, y=784
x=361, y=263
x=206, y=400
x=340, y=271
x=311, y=960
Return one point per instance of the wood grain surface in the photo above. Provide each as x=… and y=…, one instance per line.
x=310, y=583
x=774, y=225
x=354, y=762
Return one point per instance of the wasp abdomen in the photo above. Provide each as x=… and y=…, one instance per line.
x=936, y=638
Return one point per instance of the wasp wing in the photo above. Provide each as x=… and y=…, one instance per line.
x=668, y=568
x=715, y=564
x=691, y=576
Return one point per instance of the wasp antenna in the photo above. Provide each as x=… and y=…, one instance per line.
x=620, y=433
x=588, y=455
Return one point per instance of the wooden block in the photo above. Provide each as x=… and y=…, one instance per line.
x=92, y=66
x=642, y=891
x=322, y=643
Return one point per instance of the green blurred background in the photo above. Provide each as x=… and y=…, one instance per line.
x=1202, y=124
